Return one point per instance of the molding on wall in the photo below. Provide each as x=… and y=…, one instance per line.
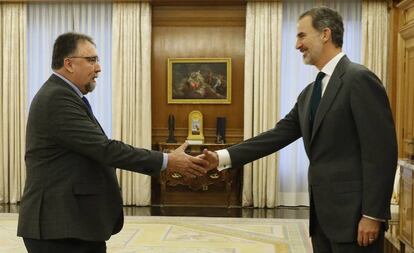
x=194, y=16
x=161, y=135
x=405, y=4
x=153, y=2
x=407, y=31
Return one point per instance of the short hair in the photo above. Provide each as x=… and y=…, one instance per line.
x=65, y=45
x=324, y=17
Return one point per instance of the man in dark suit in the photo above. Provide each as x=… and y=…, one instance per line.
x=71, y=200
x=348, y=131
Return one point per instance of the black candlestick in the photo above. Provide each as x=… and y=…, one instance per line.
x=221, y=130
x=171, y=127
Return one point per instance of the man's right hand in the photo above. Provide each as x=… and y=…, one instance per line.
x=211, y=157
x=186, y=165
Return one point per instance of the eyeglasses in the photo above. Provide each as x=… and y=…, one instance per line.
x=90, y=59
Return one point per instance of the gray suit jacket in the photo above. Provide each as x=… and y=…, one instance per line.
x=352, y=149
x=71, y=189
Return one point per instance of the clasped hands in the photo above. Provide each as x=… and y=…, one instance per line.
x=191, y=166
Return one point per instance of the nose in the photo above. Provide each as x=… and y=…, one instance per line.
x=97, y=67
x=298, y=44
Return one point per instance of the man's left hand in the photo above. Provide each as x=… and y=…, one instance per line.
x=368, y=231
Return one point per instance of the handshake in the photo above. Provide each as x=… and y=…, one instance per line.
x=191, y=166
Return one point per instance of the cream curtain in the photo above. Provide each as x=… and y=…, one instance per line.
x=13, y=96
x=131, y=87
x=375, y=29
x=262, y=88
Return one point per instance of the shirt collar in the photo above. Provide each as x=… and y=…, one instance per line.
x=74, y=87
x=329, y=68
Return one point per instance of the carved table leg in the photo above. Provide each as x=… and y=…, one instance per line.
x=402, y=247
x=228, y=192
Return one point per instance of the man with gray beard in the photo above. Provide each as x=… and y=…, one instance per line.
x=71, y=200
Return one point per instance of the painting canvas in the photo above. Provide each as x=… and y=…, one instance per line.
x=199, y=80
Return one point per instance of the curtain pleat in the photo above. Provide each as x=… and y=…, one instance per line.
x=262, y=79
x=375, y=27
x=131, y=91
x=13, y=97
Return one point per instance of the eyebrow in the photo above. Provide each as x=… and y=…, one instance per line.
x=301, y=34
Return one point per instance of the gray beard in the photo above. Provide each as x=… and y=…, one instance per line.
x=307, y=60
x=90, y=87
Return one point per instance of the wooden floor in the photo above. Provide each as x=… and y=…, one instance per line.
x=280, y=212
x=301, y=212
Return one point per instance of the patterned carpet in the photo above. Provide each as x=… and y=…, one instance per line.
x=190, y=235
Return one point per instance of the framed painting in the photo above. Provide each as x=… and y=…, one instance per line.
x=199, y=80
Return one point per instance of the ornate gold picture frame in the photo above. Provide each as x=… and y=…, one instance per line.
x=199, y=80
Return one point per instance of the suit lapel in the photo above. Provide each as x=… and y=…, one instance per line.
x=56, y=79
x=306, y=122
x=97, y=122
x=331, y=91
x=92, y=117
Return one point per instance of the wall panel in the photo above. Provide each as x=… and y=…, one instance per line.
x=190, y=32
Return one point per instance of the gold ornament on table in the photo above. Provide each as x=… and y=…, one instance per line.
x=195, y=128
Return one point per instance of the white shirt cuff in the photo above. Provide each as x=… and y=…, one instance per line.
x=373, y=218
x=224, y=159
x=164, y=161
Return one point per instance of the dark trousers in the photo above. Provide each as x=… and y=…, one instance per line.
x=63, y=246
x=322, y=244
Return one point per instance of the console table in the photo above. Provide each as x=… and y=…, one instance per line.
x=217, y=188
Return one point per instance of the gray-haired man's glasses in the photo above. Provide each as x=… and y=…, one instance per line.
x=90, y=59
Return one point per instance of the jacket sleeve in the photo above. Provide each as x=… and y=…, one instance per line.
x=73, y=129
x=375, y=126
x=286, y=131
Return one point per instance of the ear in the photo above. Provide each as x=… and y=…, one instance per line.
x=67, y=64
x=326, y=35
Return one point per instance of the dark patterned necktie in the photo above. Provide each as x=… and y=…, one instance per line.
x=87, y=104
x=90, y=110
x=316, y=97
